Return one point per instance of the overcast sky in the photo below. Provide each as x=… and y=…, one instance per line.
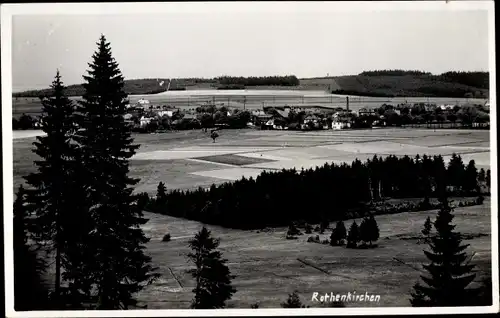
x=202, y=44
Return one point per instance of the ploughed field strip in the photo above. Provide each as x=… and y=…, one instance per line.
x=234, y=160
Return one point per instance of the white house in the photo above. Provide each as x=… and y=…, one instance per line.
x=168, y=113
x=142, y=103
x=337, y=125
x=145, y=120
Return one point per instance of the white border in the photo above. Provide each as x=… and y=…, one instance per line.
x=8, y=10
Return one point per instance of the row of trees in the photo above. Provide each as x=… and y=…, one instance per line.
x=367, y=232
x=289, y=80
x=395, y=72
x=466, y=115
x=334, y=191
x=79, y=204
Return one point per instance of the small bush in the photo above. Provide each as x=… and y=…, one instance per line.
x=480, y=200
x=293, y=230
x=317, y=229
x=460, y=204
x=308, y=228
x=293, y=301
x=313, y=239
x=166, y=238
x=254, y=306
x=326, y=242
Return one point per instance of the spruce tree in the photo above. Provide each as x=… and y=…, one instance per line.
x=212, y=276
x=51, y=196
x=470, y=178
x=455, y=171
x=353, y=235
x=118, y=267
x=293, y=301
x=373, y=230
x=481, y=177
x=161, y=196
x=488, y=179
x=29, y=292
x=364, y=231
x=426, y=231
x=448, y=273
x=338, y=234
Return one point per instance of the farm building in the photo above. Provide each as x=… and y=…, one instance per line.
x=168, y=113
x=367, y=112
x=145, y=120
x=338, y=125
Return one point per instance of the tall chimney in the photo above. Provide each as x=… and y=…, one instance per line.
x=347, y=102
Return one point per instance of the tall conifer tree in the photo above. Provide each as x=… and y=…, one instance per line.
x=213, y=278
x=119, y=267
x=449, y=274
x=50, y=197
x=29, y=293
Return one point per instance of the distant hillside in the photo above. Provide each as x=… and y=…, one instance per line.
x=383, y=83
x=132, y=87
x=394, y=83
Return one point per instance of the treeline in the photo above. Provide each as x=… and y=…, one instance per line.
x=290, y=80
x=331, y=192
x=393, y=73
x=476, y=79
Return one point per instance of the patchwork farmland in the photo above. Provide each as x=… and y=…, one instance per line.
x=189, y=159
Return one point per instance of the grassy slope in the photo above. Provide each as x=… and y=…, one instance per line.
x=407, y=85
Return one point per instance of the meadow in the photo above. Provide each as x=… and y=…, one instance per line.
x=266, y=265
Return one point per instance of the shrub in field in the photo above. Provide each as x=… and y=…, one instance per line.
x=293, y=301
x=254, y=306
x=480, y=200
x=353, y=236
x=293, y=230
x=339, y=234
x=313, y=239
x=325, y=242
x=166, y=238
x=308, y=228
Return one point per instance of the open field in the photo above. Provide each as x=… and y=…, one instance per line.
x=253, y=99
x=189, y=159
x=267, y=268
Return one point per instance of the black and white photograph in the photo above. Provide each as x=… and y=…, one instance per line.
x=249, y=158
